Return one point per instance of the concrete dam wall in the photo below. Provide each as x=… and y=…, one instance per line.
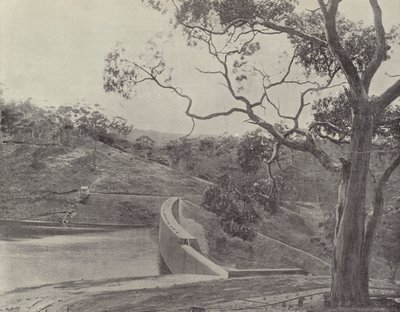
x=179, y=249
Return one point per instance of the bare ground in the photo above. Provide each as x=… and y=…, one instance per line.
x=176, y=293
x=154, y=294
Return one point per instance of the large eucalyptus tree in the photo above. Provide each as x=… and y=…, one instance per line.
x=332, y=51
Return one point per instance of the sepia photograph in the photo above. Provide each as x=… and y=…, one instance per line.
x=199, y=155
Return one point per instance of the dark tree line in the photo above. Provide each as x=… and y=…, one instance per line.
x=25, y=122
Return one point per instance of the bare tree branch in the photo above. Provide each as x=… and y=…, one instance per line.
x=283, y=79
x=341, y=132
x=191, y=130
x=381, y=46
x=277, y=108
x=314, y=89
x=308, y=145
x=329, y=125
x=257, y=31
x=289, y=165
x=392, y=76
x=179, y=92
x=225, y=72
x=266, y=23
x=217, y=72
x=294, y=32
x=387, y=97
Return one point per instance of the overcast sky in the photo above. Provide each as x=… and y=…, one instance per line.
x=53, y=51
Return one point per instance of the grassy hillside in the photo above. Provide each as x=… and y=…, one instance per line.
x=289, y=239
x=261, y=253
x=41, y=182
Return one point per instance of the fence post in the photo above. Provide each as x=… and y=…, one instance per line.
x=327, y=300
x=301, y=301
x=197, y=309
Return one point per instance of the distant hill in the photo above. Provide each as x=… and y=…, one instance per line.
x=160, y=138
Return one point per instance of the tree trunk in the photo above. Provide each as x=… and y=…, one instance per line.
x=67, y=137
x=351, y=257
x=393, y=270
x=95, y=150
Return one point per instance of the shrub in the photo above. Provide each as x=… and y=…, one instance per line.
x=236, y=211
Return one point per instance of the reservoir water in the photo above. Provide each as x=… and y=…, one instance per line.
x=33, y=254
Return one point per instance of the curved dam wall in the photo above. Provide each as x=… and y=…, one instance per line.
x=179, y=249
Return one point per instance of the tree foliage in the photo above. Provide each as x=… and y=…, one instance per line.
x=333, y=121
x=145, y=145
x=239, y=196
x=254, y=150
x=234, y=208
x=357, y=38
x=179, y=150
x=144, y=142
x=24, y=121
x=10, y=120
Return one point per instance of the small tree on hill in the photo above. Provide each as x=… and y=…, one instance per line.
x=233, y=206
x=257, y=150
x=91, y=121
x=63, y=120
x=120, y=127
x=254, y=150
x=145, y=145
x=97, y=123
x=10, y=119
x=207, y=146
x=181, y=153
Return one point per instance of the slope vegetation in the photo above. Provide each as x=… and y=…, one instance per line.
x=289, y=239
x=41, y=183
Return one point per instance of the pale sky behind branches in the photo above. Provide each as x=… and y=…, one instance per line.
x=53, y=51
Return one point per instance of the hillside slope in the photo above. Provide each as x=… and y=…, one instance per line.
x=263, y=252
x=285, y=240
x=41, y=183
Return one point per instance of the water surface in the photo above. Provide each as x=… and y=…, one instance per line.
x=33, y=254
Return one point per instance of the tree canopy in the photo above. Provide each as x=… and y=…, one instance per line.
x=24, y=121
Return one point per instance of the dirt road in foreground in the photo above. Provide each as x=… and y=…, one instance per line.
x=165, y=293
x=168, y=293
